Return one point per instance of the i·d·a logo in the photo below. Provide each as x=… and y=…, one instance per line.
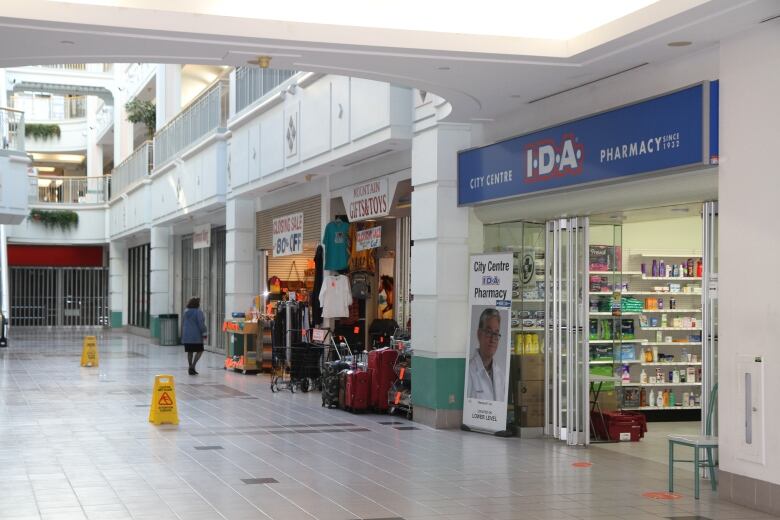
x=547, y=159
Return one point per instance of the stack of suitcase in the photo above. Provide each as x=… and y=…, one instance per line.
x=380, y=366
x=357, y=391
x=330, y=383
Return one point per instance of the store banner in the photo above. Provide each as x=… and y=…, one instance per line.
x=370, y=238
x=487, y=360
x=367, y=200
x=287, y=233
x=662, y=133
x=201, y=237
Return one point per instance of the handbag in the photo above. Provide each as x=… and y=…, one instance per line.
x=297, y=284
x=361, y=286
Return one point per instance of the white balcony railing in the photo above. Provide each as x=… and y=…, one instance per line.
x=136, y=167
x=203, y=115
x=104, y=117
x=69, y=190
x=11, y=130
x=44, y=107
x=65, y=66
x=252, y=83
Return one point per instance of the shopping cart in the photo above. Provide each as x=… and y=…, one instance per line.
x=399, y=397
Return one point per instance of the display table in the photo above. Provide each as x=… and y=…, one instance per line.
x=241, y=345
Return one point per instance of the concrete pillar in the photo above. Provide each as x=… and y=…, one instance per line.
x=159, y=278
x=117, y=259
x=168, y=88
x=123, y=129
x=439, y=272
x=95, y=189
x=748, y=185
x=240, y=279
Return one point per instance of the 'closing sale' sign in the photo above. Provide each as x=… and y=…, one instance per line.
x=288, y=235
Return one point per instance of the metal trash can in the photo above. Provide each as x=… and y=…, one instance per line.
x=169, y=329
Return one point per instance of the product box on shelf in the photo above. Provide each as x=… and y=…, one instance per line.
x=628, y=353
x=532, y=367
x=629, y=396
x=605, y=258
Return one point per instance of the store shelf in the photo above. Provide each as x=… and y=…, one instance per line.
x=615, y=273
x=663, y=255
x=655, y=293
x=527, y=329
x=529, y=300
x=619, y=341
x=673, y=278
x=612, y=362
x=671, y=311
x=674, y=343
x=683, y=364
x=665, y=408
x=669, y=328
x=661, y=384
x=610, y=314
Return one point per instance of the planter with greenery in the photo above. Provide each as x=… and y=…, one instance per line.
x=63, y=218
x=142, y=112
x=41, y=131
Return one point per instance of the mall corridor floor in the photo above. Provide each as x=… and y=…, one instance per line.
x=75, y=443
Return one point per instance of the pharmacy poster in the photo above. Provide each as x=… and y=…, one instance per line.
x=288, y=235
x=487, y=357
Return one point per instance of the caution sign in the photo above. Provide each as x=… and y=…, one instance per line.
x=89, y=352
x=163, y=409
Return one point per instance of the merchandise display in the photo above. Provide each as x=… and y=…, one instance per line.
x=335, y=296
x=336, y=243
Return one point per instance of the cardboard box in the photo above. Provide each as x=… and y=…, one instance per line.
x=532, y=367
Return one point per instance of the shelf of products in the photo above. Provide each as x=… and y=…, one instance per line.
x=616, y=273
x=659, y=384
x=612, y=362
x=610, y=314
x=672, y=364
x=665, y=408
x=693, y=254
x=669, y=328
x=617, y=341
x=673, y=278
x=671, y=311
x=673, y=343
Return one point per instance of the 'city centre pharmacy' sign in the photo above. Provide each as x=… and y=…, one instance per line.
x=658, y=134
x=288, y=235
x=367, y=200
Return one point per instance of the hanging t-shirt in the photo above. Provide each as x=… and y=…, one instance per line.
x=336, y=245
x=335, y=296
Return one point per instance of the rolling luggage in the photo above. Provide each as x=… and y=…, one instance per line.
x=343, y=389
x=330, y=383
x=380, y=366
x=358, y=390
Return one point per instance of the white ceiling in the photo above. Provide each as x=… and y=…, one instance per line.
x=482, y=76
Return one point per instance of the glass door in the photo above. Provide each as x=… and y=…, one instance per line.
x=709, y=312
x=567, y=414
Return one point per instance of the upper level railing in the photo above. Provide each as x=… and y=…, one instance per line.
x=11, y=130
x=66, y=66
x=132, y=169
x=206, y=113
x=104, y=117
x=252, y=83
x=69, y=190
x=81, y=67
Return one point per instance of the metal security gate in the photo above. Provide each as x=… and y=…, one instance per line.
x=59, y=296
x=203, y=275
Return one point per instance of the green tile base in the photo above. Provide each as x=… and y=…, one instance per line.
x=437, y=383
x=154, y=326
x=116, y=319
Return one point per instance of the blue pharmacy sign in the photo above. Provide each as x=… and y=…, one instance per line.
x=662, y=133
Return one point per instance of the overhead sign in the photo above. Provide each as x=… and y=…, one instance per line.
x=487, y=359
x=655, y=135
x=287, y=232
x=201, y=237
x=370, y=238
x=367, y=200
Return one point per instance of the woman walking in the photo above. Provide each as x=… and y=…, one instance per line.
x=193, y=333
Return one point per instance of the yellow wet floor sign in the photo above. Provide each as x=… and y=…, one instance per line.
x=89, y=352
x=163, y=409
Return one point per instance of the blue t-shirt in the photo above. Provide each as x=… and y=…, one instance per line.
x=336, y=242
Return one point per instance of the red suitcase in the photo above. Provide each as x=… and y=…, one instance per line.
x=358, y=390
x=380, y=366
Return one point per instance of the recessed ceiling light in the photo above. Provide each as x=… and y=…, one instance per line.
x=678, y=44
x=67, y=42
x=517, y=96
x=443, y=68
x=680, y=210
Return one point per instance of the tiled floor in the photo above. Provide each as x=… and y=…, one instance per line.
x=75, y=443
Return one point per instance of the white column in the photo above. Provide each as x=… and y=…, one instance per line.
x=748, y=187
x=439, y=272
x=117, y=258
x=94, y=152
x=159, y=276
x=240, y=277
x=123, y=129
x=168, y=85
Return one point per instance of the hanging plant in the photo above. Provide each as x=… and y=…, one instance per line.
x=145, y=112
x=62, y=218
x=42, y=131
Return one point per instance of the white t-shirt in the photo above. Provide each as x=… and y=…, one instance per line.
x=335, y=297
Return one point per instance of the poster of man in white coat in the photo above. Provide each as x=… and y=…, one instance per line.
x=487, y=357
